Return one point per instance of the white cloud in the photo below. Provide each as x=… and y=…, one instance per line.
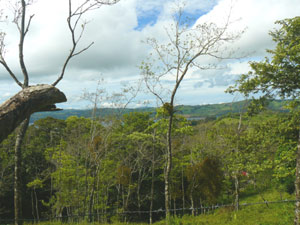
x=118, y=49
x=238, y=68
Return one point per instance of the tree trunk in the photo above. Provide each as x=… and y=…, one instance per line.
x=32, y=206
x=183, y=192
x=30, y=100
x=168, y=169
x=192, y=204
x=152, y=180
x=91, y=203
x=36, y=206
x=297, y=185
x=127, y=200
x=174, y=201
x=236, y=177
x=17, y=182
x=237, y=192
x=106, y=205
x=152, y=194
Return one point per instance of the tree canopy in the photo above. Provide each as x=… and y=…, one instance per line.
x=278, y=75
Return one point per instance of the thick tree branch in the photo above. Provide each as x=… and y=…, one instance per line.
x=21, y=44
x=31, y=99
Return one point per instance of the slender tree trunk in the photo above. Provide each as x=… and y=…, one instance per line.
x=182, y=187
x=191, y=195
x=106, y=205
x=237, y=192
x=174, y=206
x=94, y=188
x=297, y=185
x=36, y=206
x=152, y=194
x=192, y=204
x=123, y=197
x=236, y=177
x=91, y=201
x=127, y=199
x=17, y=179
x=200, y=205
x=152, y=181
x=138, y=192
x=168, y=169
x=32, y=206
x=86, y=187
x=118, y=196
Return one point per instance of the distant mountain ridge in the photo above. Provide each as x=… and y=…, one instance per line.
x=189, y=111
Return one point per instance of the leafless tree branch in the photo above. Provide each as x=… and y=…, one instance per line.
x=2, y=61
x=74, y=18
x=21, y=44
x=28, y=24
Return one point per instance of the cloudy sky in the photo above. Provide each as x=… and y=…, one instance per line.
x=118, y=32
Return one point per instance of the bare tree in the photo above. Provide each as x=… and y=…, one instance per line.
x=76, y=26
x=187, y=47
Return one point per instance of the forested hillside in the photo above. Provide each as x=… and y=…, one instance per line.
x=232, y=163
x=193, y=112
x=111, y=169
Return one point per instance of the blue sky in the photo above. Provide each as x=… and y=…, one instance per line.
x=150, y=18
x=147, y=19
x=119, y=31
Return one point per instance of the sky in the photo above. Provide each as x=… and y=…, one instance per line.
x=119, y=33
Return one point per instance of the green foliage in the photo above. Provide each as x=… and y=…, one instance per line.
x=278, y=76
x=205, y=180
x=89, y=167
x=37, y=183
x=136, y=122
x=167, y=109
x=79, y=166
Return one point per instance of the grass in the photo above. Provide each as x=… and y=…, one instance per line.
x=260, y=214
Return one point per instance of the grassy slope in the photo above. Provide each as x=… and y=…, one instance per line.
x=273, y=214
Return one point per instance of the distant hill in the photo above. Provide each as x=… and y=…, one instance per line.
x=192, y=112
x=217, y=110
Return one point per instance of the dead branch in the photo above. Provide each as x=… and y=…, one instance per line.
x=31, y=99
x=73, y=20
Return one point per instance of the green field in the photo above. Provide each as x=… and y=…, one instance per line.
x=257, y=214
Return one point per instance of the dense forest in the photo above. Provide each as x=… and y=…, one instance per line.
x=103, y=168
x=149, y=164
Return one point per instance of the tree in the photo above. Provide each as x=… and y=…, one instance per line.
x=278, y=77
x=43, y=134
x=205, y=181
x=185, y=48
x=32, y=99
x=6, y=176
x=23, y=22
